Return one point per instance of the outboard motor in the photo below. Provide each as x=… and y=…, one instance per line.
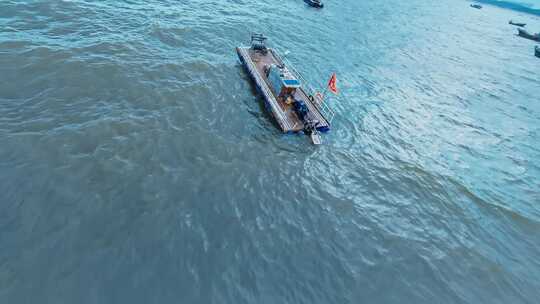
x=310, y=125
x=310, y=128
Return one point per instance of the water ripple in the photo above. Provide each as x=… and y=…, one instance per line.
x=138, y=164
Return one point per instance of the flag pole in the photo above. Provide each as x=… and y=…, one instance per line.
x=325, y=91
x=326, y=88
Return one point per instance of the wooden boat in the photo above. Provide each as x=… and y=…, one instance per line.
x=477, y=6
x=295, y=106
x=517, y=23
x=314, y=3
x=537, y=51
x=523, y=33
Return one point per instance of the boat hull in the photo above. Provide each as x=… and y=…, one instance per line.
x=517, y=24
x=287, y=121
x=527, y=35
x=314, y=4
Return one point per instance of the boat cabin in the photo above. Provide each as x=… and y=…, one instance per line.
x=282, y=82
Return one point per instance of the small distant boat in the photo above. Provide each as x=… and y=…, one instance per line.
x=477, y=6
x=517, y=23
x=523, y=33
x=537, y=51
x=295, y=105
x=314, y=3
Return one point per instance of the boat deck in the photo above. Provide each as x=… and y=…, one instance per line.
x=284, y=113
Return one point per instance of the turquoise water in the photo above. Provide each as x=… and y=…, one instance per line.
x=529, y=7
x=535, y=4
x=138, y=166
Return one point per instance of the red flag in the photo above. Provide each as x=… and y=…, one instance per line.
x=332, y=84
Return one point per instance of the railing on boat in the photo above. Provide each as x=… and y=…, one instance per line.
x=327, y=112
